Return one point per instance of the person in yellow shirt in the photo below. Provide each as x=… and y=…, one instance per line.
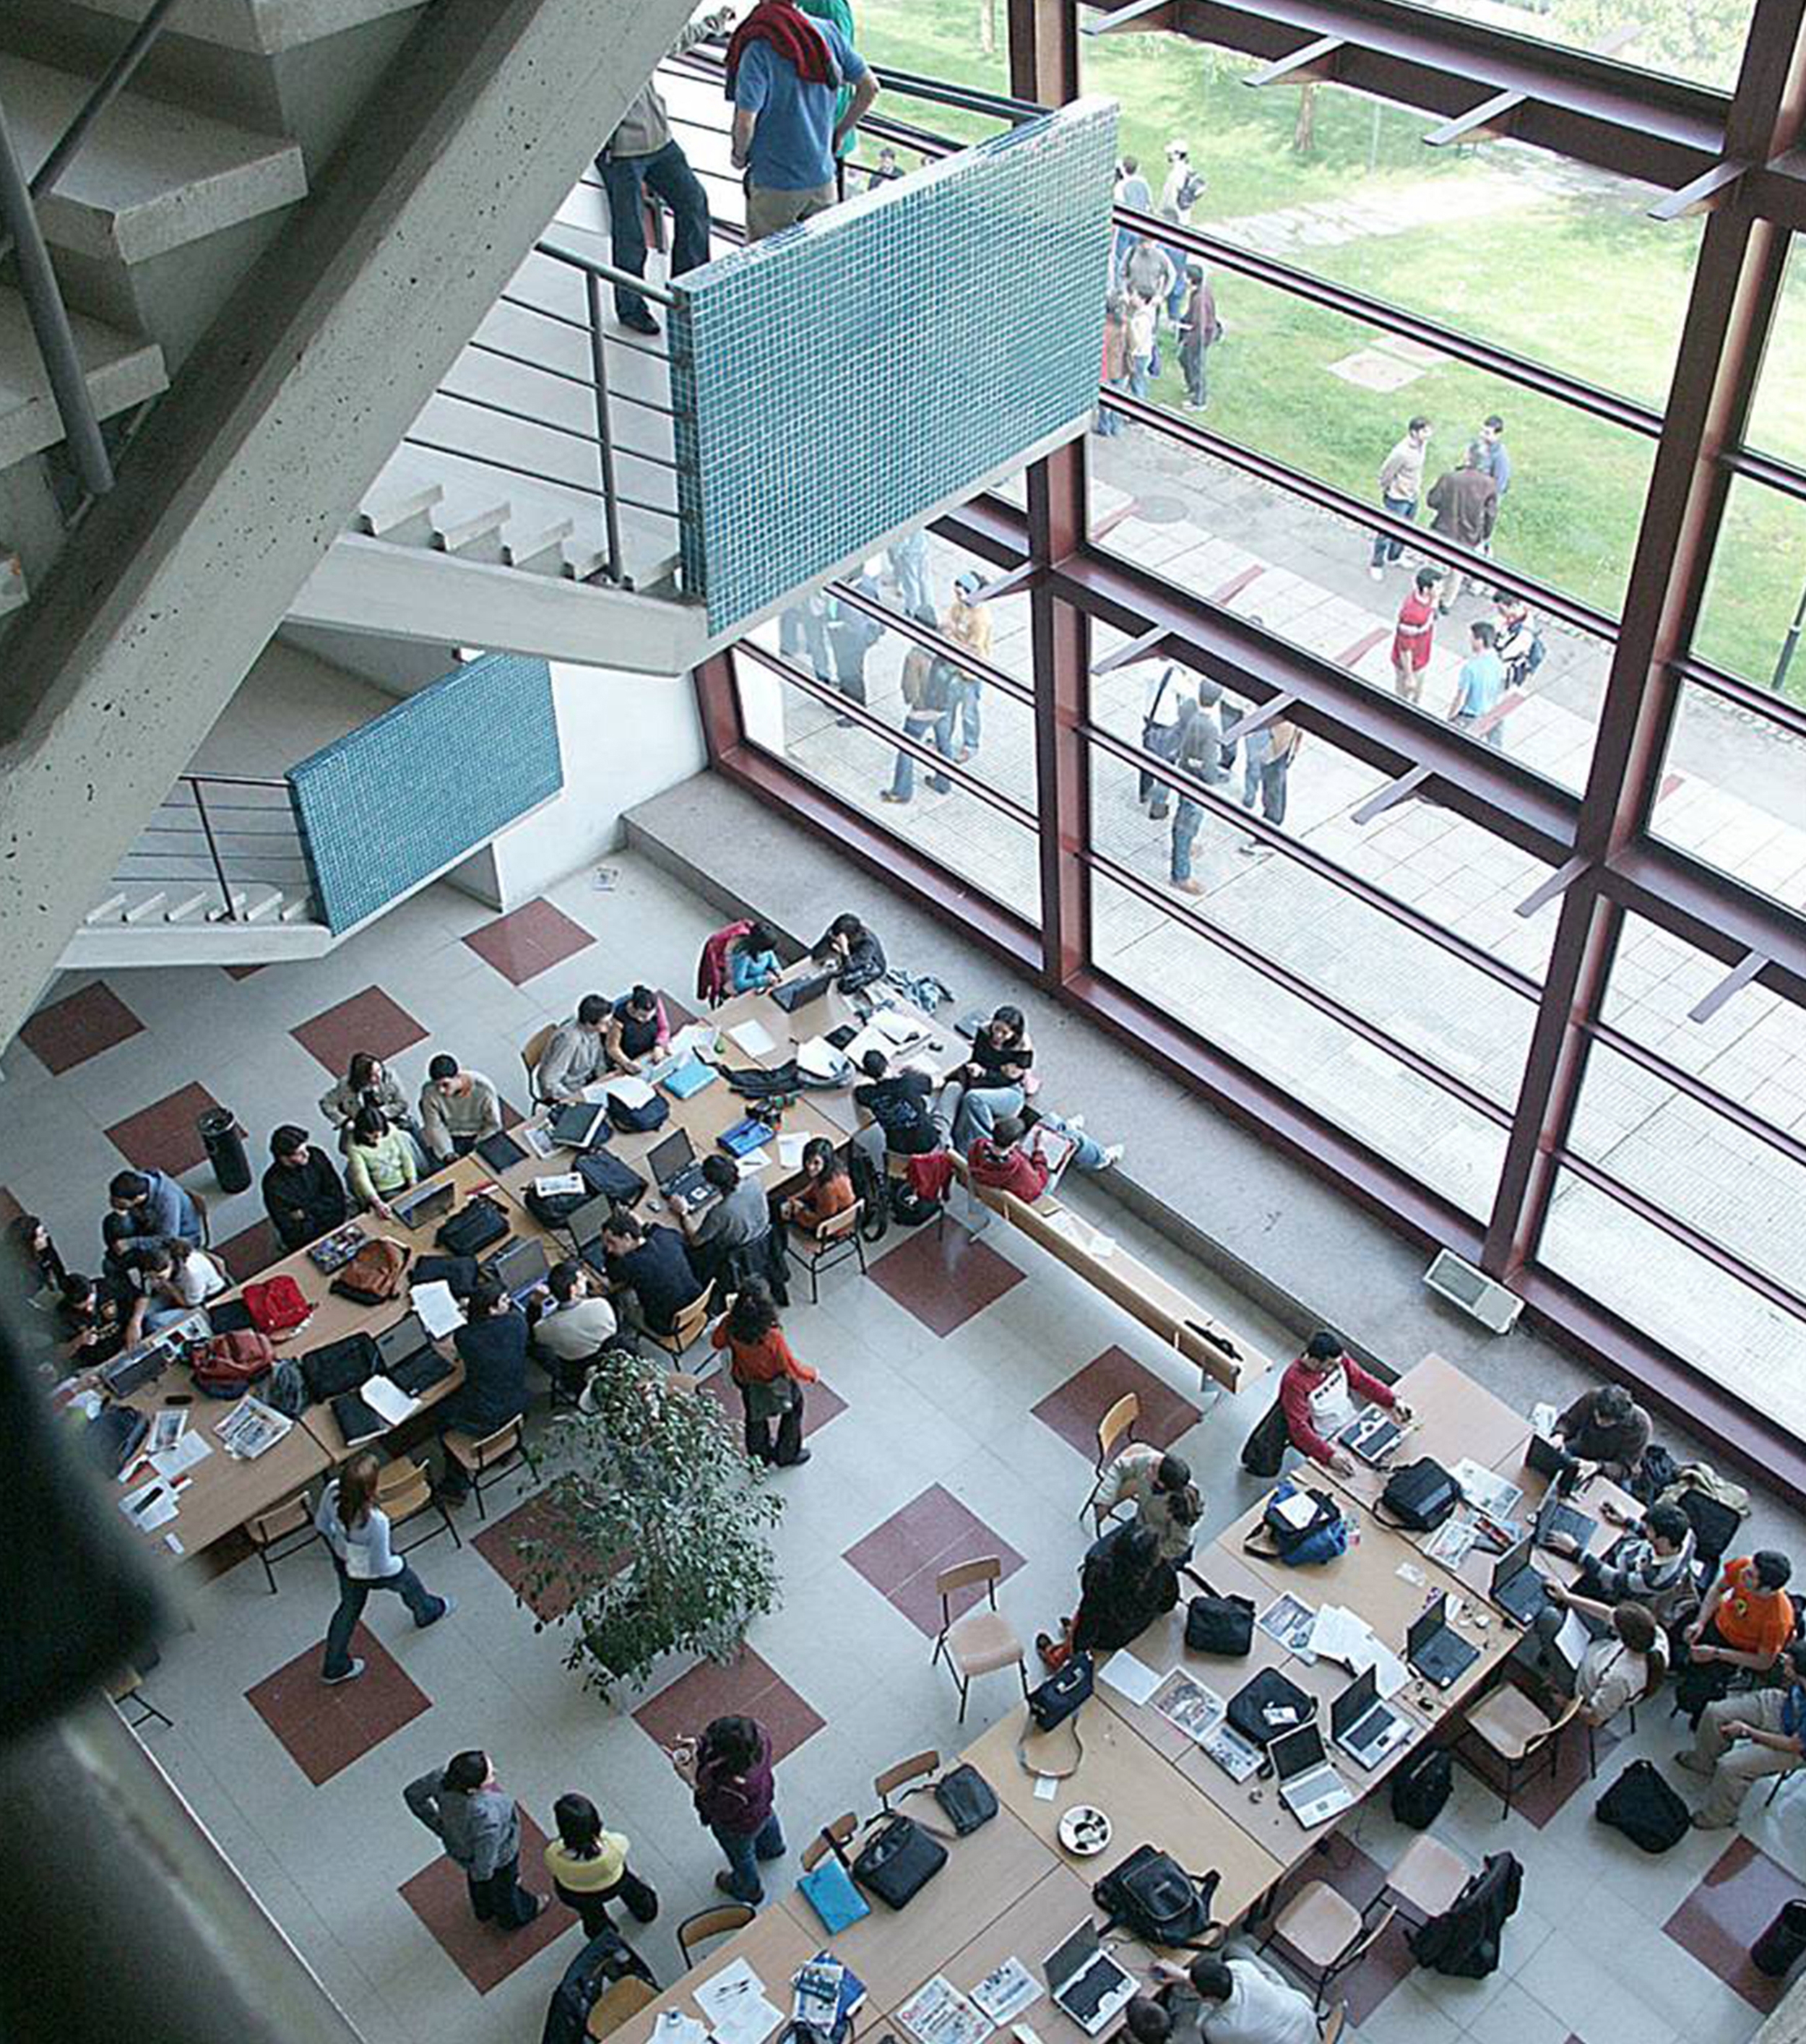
x=968, y=624
x=589, y=1868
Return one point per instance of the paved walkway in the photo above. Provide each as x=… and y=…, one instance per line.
x=1378, y=210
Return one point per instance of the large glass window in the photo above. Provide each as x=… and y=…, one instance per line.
x=1734, y=790
x=1757, y=593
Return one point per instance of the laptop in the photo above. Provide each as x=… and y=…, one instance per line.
x=409, y=1361
x=575, y=1124
x=518, y=1268
x=795, y=993
x=1518, y=1588
x=1435, y=1648
x=1367, y=1729
x=1309, y=1784
x=1371, y=1436
x=1547, y=1459
x=425, y=1203
x=675, y=1170
x=1086, y=1982
x=501, y=1152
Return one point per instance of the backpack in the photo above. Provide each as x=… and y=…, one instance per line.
x=603, y=1174
x=1420, y=1496
x=1217, y=1624
x=475, y=1225
x=459, y=1274
x=1267, y=1704
x=1153, y=1898
x=1321, y=1538
x=228, y=1365
x=338, y=1367
x=1421, y=1787
x=375, y=1275
x=1642, y=1806
x=875, y=1218
x=276, y=1304
x=641, y=1121
x=1191, y=191
x=1263, y=1452
x=553, y=1210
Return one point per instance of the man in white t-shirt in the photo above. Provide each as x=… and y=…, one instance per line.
x=1216, y=2000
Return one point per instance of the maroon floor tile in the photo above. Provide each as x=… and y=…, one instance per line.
x=1074, y=1409
x=368, y=1021
x=252, y=1249
x=9, y=1209
x=1358, y=1879
x=746, y=1686
x=166, y=1136
x=530, y=941
x=323, y=1730
x=240, y=971
x=511, y=1117
x=902, y=1558
x=483, y=1953
x=501, y=1544
x=820, y=1403
x=1539, y=1797
x=945, y=1276
x=1729, y=1910
x=80, y=1026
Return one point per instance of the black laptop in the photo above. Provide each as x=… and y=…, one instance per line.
x=1435, y=1648
x=1547, y=1459
x=501, y=1152
x=518, y=1267
x=795, y=993
x=676, y=1170
x=576, y=1125
x=1518, y=1588
x=409, y=1361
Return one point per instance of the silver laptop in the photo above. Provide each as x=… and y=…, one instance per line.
x=1086, y=1982
x=1309, y=1786
x=1367, y=1729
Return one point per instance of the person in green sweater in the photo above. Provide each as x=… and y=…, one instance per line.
x=379, y=1162
x=840, y=16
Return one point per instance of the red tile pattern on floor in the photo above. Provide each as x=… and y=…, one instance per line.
x=484, y=1953
x=324, y=1729
x=368, y=1021
x=902, y=1558
x=744, y=1687
x=80, y=1026
x=1358, y=1880
x=820, y=1404
x=529, y=941
x=944, y=1278
x=252, y=1249
x=1729, y=1911
x=165, y=1136
x=501, y=1544
x=1074, y=1409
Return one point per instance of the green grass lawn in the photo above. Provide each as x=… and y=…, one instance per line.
x=1573, y=275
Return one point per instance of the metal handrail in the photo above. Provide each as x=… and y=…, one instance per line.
x=222, y=838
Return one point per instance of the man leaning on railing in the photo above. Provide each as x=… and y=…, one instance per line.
x=785, y=73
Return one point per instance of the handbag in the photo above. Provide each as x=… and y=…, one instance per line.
x=475, y=1225
x=1219, y=1624
x=967, y=1799
x=1300, y=1543
x=1420, y=1496
x=898, y=1861
x=373, y=1277
x=1054, y=1702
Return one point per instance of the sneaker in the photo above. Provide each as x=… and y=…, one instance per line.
x=1190, y=887
x=725, y=1883
x=1686, y=1757
x=447, y=1606
x=539, y=1903
x=1378, y=574
x=639, y=320
x=1112, y=1154
x=1157, y=816
x=350, y=1675
x=891, y=795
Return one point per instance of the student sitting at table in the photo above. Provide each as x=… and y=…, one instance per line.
x=636, y=1029
x=1747, y=1619
x=458, y=1110
x=575, y=1055
x=826, y=1189
x=852, y=951
x=654, y=1264
x=1318, y=1393
x=752, y=961
x=1652, y=1565
x=1160, y=1488
x=172, y=1278
x=368, y=1082
x=146, y=1206
x=1605, y=1429
x=1220, y=2000
x=91, y=1314
x=492, y=1346
x=1125, y=1584
x=571, y=1325
x=903, y=1123
x=379, y=1162
x=303, y=1194
x=738, y=1218
x=1626, y=1661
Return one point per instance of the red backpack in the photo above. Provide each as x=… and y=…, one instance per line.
x=277, y=1304
x=230, y=1364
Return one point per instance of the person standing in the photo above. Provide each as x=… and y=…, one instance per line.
x=968, y=624
x=1516, y=638
x=1162, y=698
x=839, y=15
x=1465, y=502
x=1200, y=330
x=1498, y=463
x=1413, y=637
x=1401, y=485
x=1114, y=369
x=1480, y=689
x=929, y=684
x=1143, y=331
x=355, y=1530
x=784, y=75
x=852, y=632
x=1197, y=750
x=303, y=1194
x=643, y=155
x=769, y=1375
x=729, y=1772
x=803, y=628
x=1270, y=753
x=474, y=1819
x=588, y=1867
x=1132, y=191
x=908, y=560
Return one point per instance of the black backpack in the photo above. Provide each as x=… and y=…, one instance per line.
x=1267, y=1704
x=336, y=1367
x=1219, y=1624
x=640, y=1120
x=874, y=1217
x=1642, y=1806
x=1421, y=1788
x=602, y=1173
x=1264, y=1451
x=1153, y=1898
x=1420, y=1496
x=475, y=1225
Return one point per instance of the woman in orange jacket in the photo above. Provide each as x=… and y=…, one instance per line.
x=770, y=1376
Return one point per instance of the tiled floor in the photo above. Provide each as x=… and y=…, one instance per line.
x=166, y=1136
x=529, y=941
x=485, y=1954
x=926, y=1448
x=79, y=1027
x=369, y=1021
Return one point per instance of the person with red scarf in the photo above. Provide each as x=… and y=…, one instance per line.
x=785, y=73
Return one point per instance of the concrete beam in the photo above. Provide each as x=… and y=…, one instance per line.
x=258, y=455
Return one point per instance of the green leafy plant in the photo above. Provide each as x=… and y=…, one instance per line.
x=653, y=1535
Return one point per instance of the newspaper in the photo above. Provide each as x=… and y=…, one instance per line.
x=1238, y=1757
x=1006, y=1991
x=938, y=2013
x=1188, y=1705
x=252, y=1427
x=1486, y=1490
x=1289, y=1620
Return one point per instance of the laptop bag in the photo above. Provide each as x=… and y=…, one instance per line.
x=829, y=1889
x=1645, y=1808
x=898, y=1861
x=1420, y=1496
x=1218, y=1624
x=640, y=1120
x=1153, y=1898
x=1421, y=1787
x=338, y=1367
x=603, y=1174
x=475, y=1225
x=231, y=1363
x=1264, y=1451
x=1257, y=1710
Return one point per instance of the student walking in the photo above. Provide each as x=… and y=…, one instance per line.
x=588, y=1867
x=908, y=560
x=1197, y=750
x=969, y=624
x=1480, y=689
x=1200, y=330
x=769, y=1375
x=1113, y=369
x=1465, y=502
x=1401, y=485
x=1413, y=637
x=729, y=1772
x=474, y=1819
x=355, y=1530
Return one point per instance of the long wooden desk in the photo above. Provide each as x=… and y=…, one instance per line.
x=773, y=1944
x=1453, y=1418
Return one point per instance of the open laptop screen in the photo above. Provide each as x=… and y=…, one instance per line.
x=665, y=1158
x=1425, y=1627
x=1353, y=1704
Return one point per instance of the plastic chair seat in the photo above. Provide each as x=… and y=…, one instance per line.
x=982, y=1641
x=1428, y=1877
x=1509, y=1722
x=1319, y=1924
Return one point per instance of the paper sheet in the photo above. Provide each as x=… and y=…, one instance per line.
x=734, y=2004
x=1338, y=1633
x=819, y=1058
x=152, y=1504
x=629, y=1089
x=754, y=1161
x=167, y=1428
x=694, y=1039
x=674, y=2028
x=790, y=1150
x=754, y=1038
x=439, y=1311
x=1486, y=1490
x=387, y=1399
x=1006, y=1991
x=938, y=2013
x=1047, y=1788
x=1130, y=1677
x=169, y=1463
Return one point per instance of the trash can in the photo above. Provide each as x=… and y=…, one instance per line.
x=1775, y=1952
x=224, y=1142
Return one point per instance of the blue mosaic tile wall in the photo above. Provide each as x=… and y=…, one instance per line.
x=837, y=380
x=385, y=806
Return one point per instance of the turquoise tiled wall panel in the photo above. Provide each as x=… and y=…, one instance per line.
x=385, y=806
x=838, y=379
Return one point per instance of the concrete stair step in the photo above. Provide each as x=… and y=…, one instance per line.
x=110, y=909
x=237, y=898
x=537, y=547
x=297, y=908
x=188, y=906
x=399, y=508
x=266, y=907
x=145, y=907
x=122, y=372
x=473, y=534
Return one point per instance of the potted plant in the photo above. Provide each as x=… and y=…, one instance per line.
x=653, y=1531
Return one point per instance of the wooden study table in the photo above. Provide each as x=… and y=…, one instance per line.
x=1452, y=1419
x=774, y=1944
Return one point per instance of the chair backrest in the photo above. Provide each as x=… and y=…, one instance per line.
x=492, y=1447
x=690, y=1319
x=288, y=1517
x=1117, y=1423
x=838, y=1832
x=1337, y=2023
x=1557, y=1726
x=706, y=1923
x=837, y=1227
x=986, y=1569
x=403, y=1489
x=917, y=1765
x=533, y=1050
x=124, y=1684
x=618, y=2000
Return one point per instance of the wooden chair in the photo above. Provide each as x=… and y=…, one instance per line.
x=916, y=1767
x=1425, y=1878
x=1325, y=1934
x=725, y=1918
x=532, y=1053
x=1336, y=2024
x=1114, y=1430
x=1517, y=1733
x=200, y=1205
x=617, y=2001
x=127, y=1687
x=837, y=1833
x=404, y=1491
x=268, y=1533
x=832, y=1242
x=687, y=1329
x=982, y=1641
x=486, y=1461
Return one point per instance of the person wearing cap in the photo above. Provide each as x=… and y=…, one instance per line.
x=1178, y=195
x=968, y=624
x=1198, y=751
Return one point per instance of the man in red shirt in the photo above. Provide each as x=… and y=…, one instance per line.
x=1411, y=638
x=999, y=1160
x=1317, y=1394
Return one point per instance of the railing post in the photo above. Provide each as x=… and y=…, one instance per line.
x=598, y=363
x=212, y=848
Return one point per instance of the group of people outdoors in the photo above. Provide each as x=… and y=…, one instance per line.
x=1154, y=287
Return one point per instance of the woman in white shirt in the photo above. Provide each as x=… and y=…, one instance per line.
x=172, y=1278
x=357, y=1532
